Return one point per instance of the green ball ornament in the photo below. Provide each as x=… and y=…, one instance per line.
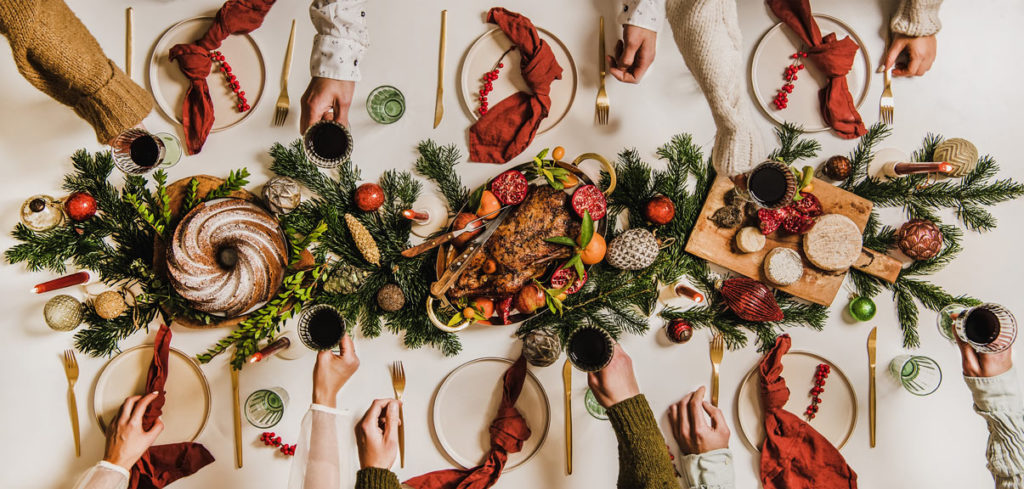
x=862, y=308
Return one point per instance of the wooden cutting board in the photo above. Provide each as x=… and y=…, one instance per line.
x=716, y=244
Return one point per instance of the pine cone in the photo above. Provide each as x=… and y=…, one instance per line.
x=920, y=239
x=364, y=241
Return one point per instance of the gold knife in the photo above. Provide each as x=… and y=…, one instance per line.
x=567, y=380
x=439, y=106
x=238, y=417
x=872, y=339
x=129, y=40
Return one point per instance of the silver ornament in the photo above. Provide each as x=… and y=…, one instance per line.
x=634, y=249
x=63, y=313
x=41, y=213
x=542, y=347
x=282, y=195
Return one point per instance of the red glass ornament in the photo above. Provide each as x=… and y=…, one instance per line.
x=750, y=300
x=369, y=197
x=80, y=206
x=679, y=331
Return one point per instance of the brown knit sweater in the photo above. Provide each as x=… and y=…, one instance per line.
x=56, y=54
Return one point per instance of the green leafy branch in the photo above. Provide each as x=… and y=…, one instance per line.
x=236, y=180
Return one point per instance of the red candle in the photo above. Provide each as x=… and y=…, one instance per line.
x=412, y=215
x=66, y=281
x=272, y=348
x=689, y=293
x=901, y=169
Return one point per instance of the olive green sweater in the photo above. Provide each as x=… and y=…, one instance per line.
x=58, y=55
x=643, y=458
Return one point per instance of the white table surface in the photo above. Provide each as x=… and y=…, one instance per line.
x=937, y=441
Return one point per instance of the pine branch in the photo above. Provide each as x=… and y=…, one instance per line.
x=236, y=181
x=437, y=163
x=793, y=146
x=191, y=196
x=862, y=155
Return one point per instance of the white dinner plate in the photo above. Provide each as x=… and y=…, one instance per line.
x=168, y=84
x=772, y=56
x=836, y=417
x=465, y=404
x=485, y=52
x=187, y=406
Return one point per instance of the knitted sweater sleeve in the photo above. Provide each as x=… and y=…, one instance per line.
x=374, y=478
x=1000, y=402
x=917, y=18
x=58, y=55
x=643, y=456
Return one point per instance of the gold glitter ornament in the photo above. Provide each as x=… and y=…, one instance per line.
x=109, y=304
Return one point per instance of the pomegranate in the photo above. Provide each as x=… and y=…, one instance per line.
x=510, y=187
x=589, y=198
x=505, y=310
x=562, y=276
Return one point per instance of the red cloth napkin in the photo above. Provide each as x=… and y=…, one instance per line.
x=164, y=464
x=508, y=127
x=234, y=17
x=834, y=57
x=794, y=455
x=508, y=432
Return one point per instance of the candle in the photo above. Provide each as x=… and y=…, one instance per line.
x=420, y=217
x=899, y=169
x=272, y=348
x=66, y=281
x=689, y=292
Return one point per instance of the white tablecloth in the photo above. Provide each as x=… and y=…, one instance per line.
x=936, y=441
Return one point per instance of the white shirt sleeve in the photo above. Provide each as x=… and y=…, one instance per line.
x=711, y=470
x=649, y=14
x=1000, y=402
x=323, y=456
x=341, y=38
x=104, y=475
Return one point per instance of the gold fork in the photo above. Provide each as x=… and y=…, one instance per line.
x=281, y=111
x=71, y=371
x=398, y=382
x=887, y=105
x=717, y=350
x=602, y=96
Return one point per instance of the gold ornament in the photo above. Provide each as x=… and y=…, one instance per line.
x=960, y=153
x=367, y=246
x=109, y=304
x=390, y=298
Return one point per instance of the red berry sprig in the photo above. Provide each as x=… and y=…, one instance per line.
x=790, y=75
x=488, y=85
x=819, y=386
x=243, y=104
x=270, y=439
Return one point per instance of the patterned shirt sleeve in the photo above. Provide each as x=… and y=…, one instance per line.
x=341, y=38
x=1000, y=402
x=649, y=14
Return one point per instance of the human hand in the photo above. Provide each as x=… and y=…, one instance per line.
x=692, y=431
x=332, y=371
x=983, y=364
x=921, y=51
x=326, y=98
x=633, y=54
x=377, y=434
x=126, y=440
x=616, y=382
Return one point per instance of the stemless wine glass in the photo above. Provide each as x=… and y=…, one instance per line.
x=784, y=172
x=167, y=145
x=308, y=337
x=327, y=135
x=590, y=348
x=1003, y=319
x=265, y=407
x=386, y=104
x=919, y=375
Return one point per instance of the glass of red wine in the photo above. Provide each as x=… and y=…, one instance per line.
x=988, y=328
x=327, y=144
x=590, y=348
x=771, y=184
x=137, y=151
x=321, y=327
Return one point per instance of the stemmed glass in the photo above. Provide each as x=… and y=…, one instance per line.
x=137, y=151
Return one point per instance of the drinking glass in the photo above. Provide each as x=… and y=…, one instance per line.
x=386, y=104
x=790, y=190
x=265, y=407
x=602, y=349
x=309, y=147
x=945, y=317
x=1007, y=325
x=168, y=151
x=919, y=375
x=307, y=336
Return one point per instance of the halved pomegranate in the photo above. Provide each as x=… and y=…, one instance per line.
x=562, y=276
x=589, y=198
x=510, y=187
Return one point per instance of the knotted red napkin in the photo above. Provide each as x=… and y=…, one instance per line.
x=234, y=17
x=508, y=432
x=164, y=464
x=833, y=57
x=794, y=455
x=508, y=127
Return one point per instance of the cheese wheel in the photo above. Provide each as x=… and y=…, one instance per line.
x=750, y=239
x=834, y=243
x=783, y=266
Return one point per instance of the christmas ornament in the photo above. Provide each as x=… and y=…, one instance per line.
x=634, y=249
x=390, y=298
x=282, y=195
x=63, y=313
x=364, y=241
x=660, y=210
x=781, y=100
x=41, y=213
x=369, y=197
x=80, y=206
x=542, y=347
x=961, y=153
x=679, y=331
x=109, y=304
x=750, y=300
x=270, y=439
x=837, y=168
x=862, y=308
x=920, y=239
x=820, y=374
x=345, y=280
x=488, y=80
x=225, y=68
